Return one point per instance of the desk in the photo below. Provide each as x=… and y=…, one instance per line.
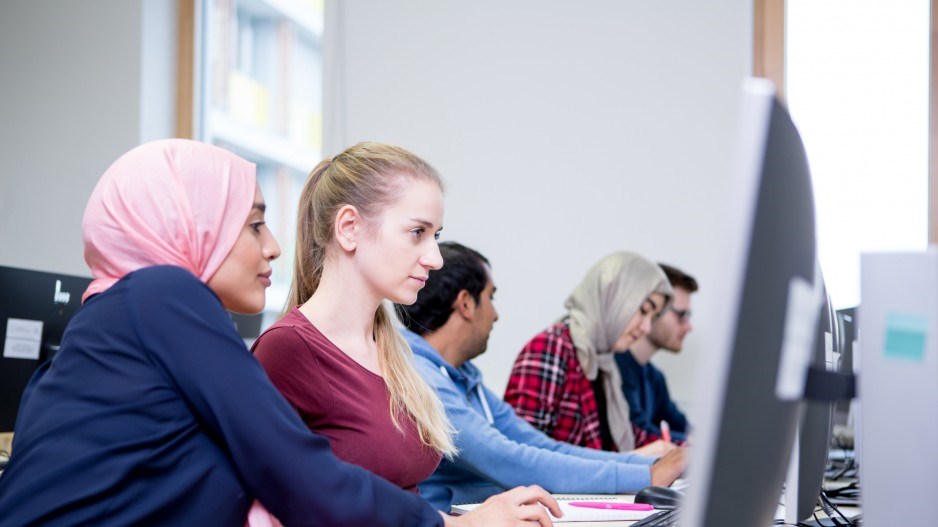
x=849, y=512
x=621, y=498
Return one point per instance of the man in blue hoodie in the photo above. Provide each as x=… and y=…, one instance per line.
x=448, y=326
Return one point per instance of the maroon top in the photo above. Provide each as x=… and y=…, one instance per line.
x=344, y=401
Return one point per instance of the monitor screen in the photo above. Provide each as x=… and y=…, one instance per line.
x=745, y=430
x=34, y=309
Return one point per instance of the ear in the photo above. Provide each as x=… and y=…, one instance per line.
x=348, y=226
x=464, y=305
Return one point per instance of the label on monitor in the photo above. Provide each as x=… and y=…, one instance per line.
x=23, y=339
x=801, y=314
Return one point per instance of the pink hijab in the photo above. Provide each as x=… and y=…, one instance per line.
x=168, y=202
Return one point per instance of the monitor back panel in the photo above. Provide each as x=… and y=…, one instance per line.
x=34, y=309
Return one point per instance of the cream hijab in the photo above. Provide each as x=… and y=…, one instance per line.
x=598, y=310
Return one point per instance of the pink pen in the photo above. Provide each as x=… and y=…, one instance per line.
x=613, y=506
x=665, y=431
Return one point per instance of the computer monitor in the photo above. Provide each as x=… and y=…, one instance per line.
x=35, y=307
x=847, y=326
x=744, y=430
x=248, y=326
x=813, y=438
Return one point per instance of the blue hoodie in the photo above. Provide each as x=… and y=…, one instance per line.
x=499, y=450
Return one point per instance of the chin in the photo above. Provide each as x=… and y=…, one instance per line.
x=404, y=299
x=252, y=307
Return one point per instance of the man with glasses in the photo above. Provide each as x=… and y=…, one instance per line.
x=644, y=386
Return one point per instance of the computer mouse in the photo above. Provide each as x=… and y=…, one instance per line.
x=660, y=497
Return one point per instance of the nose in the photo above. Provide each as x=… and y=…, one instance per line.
x=646, y=324
x=270, y=248
x=433, y=259
x=495, y=312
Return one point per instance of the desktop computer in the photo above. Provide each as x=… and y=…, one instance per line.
x=898, y=383
x=34, y=309
x=756, y=363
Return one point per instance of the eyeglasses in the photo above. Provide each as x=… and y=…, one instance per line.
x=683, y=315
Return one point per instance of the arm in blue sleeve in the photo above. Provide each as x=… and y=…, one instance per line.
x=290, y=470
x=493, y=456
x=519, y=430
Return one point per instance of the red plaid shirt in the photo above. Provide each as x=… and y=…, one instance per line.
x=549, y=389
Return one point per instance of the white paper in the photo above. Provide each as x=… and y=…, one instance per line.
x=23, y=339
x=579, y=514
x=804, y=304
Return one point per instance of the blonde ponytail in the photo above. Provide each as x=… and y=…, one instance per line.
x=408, y=390
x=368, y=176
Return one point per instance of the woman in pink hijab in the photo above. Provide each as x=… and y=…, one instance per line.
x=153, y=412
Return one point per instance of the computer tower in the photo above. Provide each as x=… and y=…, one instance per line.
x=898, y=386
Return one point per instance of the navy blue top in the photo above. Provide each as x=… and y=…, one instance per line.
x=154, y=413
x=648, y=397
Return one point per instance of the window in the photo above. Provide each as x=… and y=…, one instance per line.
x=856, y=80
x=258, y=74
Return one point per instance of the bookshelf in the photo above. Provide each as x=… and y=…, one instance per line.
x=259, y=78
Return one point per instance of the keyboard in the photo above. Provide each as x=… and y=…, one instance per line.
x=661, y=519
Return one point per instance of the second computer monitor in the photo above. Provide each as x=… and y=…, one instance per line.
x=812, y=444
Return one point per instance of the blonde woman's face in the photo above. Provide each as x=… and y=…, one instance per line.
x=640, y=323
x=398, y=255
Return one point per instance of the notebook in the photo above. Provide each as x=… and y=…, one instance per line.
x=578, y=514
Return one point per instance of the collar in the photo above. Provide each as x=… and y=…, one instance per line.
x=467, y=375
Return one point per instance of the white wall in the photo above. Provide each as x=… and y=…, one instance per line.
x=72, y=100
x=564, y=130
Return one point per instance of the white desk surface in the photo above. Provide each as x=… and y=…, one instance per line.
x=849, y=512
x=623, y=498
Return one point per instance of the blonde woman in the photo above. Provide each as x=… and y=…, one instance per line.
x=367, y=229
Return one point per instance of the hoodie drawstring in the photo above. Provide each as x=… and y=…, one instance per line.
x=485, y=404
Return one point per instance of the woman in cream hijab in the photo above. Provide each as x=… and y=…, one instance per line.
x=565, y=380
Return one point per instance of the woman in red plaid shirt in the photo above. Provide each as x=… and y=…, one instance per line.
x=565, y=380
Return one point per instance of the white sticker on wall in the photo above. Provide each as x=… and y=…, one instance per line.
x=23, y=339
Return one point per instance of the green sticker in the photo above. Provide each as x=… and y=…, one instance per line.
x=905, y=336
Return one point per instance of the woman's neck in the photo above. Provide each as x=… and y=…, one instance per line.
x=642, y=350
x=342, y=309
